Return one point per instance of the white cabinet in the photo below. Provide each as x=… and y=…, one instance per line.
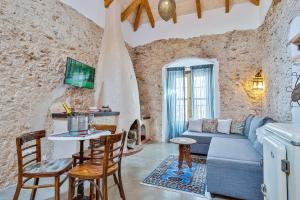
x=282, y=162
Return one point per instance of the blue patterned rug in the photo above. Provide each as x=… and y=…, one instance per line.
x=167, y=176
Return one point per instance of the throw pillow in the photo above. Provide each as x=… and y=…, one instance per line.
x=210, y=125
x=195, y=125
x=237, y=127
x=224, y=125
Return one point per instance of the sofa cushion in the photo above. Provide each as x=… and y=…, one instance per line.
x=210, y=125
x=224, y=125
x=233, y=169
x=235, y=150
x=247, y=124
x=195, y=125
x=237, y=127
x=255, y=124
x=205, y=138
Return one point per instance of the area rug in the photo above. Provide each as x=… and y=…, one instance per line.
x=167, y=176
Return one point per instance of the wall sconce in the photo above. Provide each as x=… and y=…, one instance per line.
x=258, y=81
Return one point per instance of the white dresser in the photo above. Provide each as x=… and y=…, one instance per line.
x=281, y=146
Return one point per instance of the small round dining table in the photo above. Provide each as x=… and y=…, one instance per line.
x=81, y=137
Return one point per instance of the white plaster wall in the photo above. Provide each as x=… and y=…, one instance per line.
x=241, y=17
x=263, y=10
x=116, y=83
x=92, y=9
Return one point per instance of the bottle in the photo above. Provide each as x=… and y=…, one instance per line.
x=68, y=110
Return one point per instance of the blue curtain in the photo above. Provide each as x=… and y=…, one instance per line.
x=202, y=92
x=176, y=102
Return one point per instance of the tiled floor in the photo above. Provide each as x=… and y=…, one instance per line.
x=135, y=169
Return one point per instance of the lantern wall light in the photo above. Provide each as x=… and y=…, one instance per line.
x=258, y=81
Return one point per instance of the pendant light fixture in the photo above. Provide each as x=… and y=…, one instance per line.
x=166, y=9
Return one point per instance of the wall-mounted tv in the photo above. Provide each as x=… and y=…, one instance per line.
x=79, y=74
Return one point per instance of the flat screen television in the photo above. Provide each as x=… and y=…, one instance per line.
x=79, y=74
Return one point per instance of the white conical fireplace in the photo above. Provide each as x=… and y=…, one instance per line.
x=116, y=83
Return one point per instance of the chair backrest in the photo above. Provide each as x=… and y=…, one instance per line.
x=97, y=142
x=111, y=128
x=29, y=148
x=112, y=153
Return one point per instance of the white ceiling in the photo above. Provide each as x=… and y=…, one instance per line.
x=242, y=16
x=183, y=7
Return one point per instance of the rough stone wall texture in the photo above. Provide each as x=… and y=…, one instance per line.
x=239, y=59
x=35, y=39
x=276, y=62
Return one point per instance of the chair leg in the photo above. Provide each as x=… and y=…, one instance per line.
x=104, y=188
x=71, y=188
x=91, y=191
x=18, y=189
x=118, y=184
x=97, y=191
x=121, y=184
x=56, y=188
x=33, y=192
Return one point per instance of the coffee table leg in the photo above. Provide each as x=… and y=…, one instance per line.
x=181, y=155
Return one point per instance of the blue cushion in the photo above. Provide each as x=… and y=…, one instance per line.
x=234, y=149
x=233, y=169
x=255, y=124
x=257, y=145
x=247, y=124
x=206, y=137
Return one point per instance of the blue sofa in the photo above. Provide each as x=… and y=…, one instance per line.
x=234, y=162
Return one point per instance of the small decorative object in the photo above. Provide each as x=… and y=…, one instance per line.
x=105, y=109
x=295, y=97
x=166, y=9
x=131, y=139
x=93, y=109
x=258, y=81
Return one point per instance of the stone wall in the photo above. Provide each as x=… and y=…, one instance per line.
x=239, y=59
x=35, y=39
x=276, y=60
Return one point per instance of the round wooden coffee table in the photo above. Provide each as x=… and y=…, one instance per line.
x=184, y=150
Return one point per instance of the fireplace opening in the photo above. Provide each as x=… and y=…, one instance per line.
x=133, y=135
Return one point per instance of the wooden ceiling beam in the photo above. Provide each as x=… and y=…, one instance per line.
x=255, y=2
x=133, y=6
x=227, y=6
x=149, y=12
x=107, y=3
x=198, y=7
x=175, y=18
x=137, y=18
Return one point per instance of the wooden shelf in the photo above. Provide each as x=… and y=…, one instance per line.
x=295, y=40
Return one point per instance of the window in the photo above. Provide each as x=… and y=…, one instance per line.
x=198, y=93
x=189, y=94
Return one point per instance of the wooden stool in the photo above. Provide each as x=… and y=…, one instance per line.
x=184, y=150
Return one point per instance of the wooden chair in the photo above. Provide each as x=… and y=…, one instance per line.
x=87, y=153
x=30, y=165
x=101, y=165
